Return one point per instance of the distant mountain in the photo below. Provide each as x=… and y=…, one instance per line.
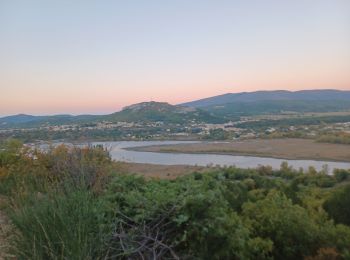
x=164, y=112
x=270, y=102
x=23, y=120
x=20, y=118
x=142, y=112
x=243, y=97
x=216, y=109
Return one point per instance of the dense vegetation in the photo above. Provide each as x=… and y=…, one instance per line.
x=163, y=112
x=233, y=110
x=74, y=203
x=143, y=112
x=314, y=120
x=328, y=98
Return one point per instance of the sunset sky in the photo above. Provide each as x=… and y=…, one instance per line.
x=97, y=56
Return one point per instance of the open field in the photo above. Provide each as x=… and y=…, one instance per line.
x=276, y=148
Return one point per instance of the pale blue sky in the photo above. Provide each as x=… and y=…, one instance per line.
x=98, y=56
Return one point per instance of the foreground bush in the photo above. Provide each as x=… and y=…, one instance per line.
x=199, y=216
x=187, y=218
x=54, y=201
x=73, y=203
x=59, y=226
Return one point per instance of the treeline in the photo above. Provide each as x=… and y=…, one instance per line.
x=115, y=134
x=314, y=120
x=237, y=109
x=74, y=203
x=78, y=135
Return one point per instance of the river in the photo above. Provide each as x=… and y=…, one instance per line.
x=118, y=152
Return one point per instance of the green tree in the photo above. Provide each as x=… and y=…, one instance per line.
x=338, y=205
x=289, y=226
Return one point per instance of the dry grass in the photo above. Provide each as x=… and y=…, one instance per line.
x=276, y=148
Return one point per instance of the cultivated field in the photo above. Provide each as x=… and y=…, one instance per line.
x=276, y=148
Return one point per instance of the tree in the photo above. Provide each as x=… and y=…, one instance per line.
x=292, y=231
x=338, y=205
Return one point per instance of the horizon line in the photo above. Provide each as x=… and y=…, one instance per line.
x=198, y=99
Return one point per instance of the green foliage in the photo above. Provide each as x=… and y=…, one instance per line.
x=10, y=152
x=200, y=220
x=289, y=226
x=164, y=112
x=263, y=124
x=341, y=175
x=53, y=206
x=67, y=204
x=59, y=226
x=232, y=110
x=217, y=134
x=337, y=205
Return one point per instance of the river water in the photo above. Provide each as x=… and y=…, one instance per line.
x=119, y=153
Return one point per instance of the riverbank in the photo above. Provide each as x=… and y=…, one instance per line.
x=290, y=149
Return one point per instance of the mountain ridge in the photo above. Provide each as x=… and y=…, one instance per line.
x=140, y=112
x=215, y=109
x=316, y=94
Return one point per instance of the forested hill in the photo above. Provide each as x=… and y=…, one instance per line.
x=278, y=95
x=216, y=109
x=273, y=102
x=142, y=112
x=164, y=112
x=23, y=120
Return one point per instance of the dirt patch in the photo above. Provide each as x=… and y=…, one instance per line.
x=276, y=148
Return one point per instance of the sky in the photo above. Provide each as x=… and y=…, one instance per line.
x=77, y=57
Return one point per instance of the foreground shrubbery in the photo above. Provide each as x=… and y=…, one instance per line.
x=74, y=204
x=58, y=226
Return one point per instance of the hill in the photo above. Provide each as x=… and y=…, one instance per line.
x=316, y=95
x=22, y=120
x=164, y=112
x=264, y=102
x=142, y=112
x=216, y=109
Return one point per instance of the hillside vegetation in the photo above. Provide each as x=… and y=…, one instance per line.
x=233, y=105
x=218, y=109
x=274, y=95
x=163, y=112
x=142, y=112
x=236, y=109
x=75, y=203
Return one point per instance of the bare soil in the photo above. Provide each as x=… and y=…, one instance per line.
x=287, y=148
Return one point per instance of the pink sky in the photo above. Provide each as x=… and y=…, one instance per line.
x=93, y=58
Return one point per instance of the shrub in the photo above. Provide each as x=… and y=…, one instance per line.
x=341, y=175
x=59, y=226
x=290, y=228
x=337, y=205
